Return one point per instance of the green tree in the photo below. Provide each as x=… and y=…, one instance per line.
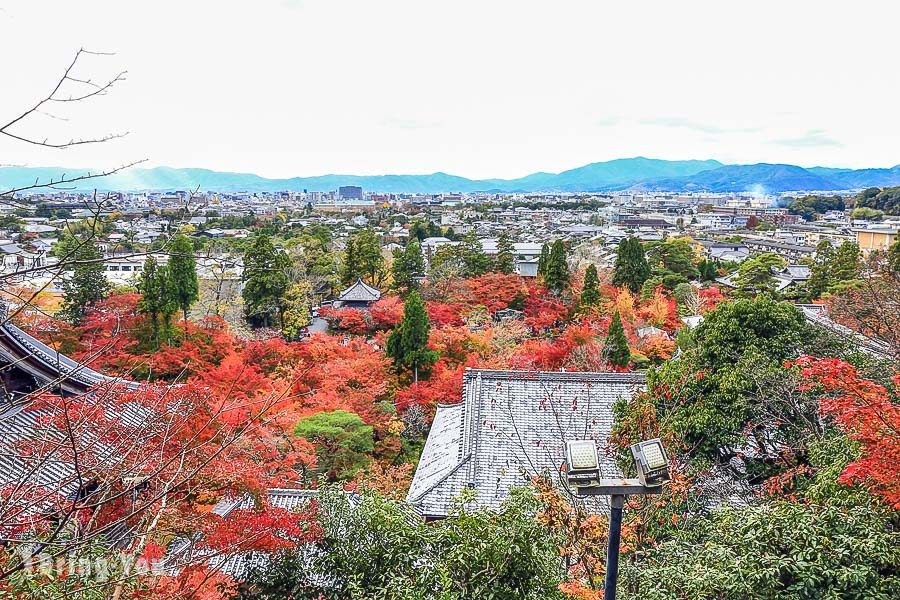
x=590, y=291
x=893, y=259
x=542, y=260
x=506, y=255
x=724, y=380
x=183, y=273
x=820, y=269
x=865, y=213
x=87, y=283
x=556, y=270
x=708, y=270
x=158, y=299
x=673, y=255
x=408, y=266
x=408, y=342
x=373, y=547
x=475, y=261
x=297, y=313
x=421, y=229
x=778, y=550
x=343, y=442
x=885, y=200
x=350, y=269
x=265, y=281
x=363, y=259
x=631, y=268
x=757, y=275
x=809, y=206
x=616, y=348
x=369, y=256
x=846, y=263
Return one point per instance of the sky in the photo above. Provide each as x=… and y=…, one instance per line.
x=487, y=88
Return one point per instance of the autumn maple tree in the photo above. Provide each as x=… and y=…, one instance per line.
x=864, y=411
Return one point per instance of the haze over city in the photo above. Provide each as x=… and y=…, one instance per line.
x=482, y=90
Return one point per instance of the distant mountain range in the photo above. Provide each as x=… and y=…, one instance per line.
x=640, y=174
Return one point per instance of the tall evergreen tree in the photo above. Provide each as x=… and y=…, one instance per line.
x=408, y=343
x=87, y=284
x=707, y=270
x=350, y=270
x=369, y=256
x=616, y=348
x=265, y=281
x=542, y=261
x=632, y=268
x=846, y=264
x=506, y=255
x=183, y=273
x=363, y=259
x=158, y=299
x=556, y=270
x=408, y=265
x=475, y=261
x=590, y=291
x=820, y=269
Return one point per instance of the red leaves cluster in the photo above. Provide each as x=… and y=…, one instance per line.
x=862, y=409
x=710, y=298
x=387, y=312
x=351, y=320
x=494, y=291
x=443, y=387
x=349, y=375
x=442, y=314
x=544, y=311
x=264, y=529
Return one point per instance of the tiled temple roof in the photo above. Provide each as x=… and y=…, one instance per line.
x=512, y=425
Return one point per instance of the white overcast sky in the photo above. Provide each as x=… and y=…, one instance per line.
x=484, y=88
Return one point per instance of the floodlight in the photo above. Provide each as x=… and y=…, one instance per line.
x=583, y=461
x=651, y=462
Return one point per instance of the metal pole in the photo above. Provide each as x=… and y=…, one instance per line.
x=617, y=503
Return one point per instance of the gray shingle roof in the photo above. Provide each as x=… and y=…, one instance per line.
x=510, y=426
x=39, y=360
x=360, y=292
x=818, y=315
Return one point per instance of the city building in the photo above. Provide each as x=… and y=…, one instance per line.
x=875, y=237
x=350, y=192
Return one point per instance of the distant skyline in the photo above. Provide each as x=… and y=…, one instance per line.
x=284, y=88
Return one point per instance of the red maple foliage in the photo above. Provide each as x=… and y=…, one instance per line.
x=710, y=299
x=387, y=312
x=442, y=314
x=863, y=409
x=351, y=320
x=544, y=311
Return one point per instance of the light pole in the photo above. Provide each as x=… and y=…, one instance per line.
x=583, y=473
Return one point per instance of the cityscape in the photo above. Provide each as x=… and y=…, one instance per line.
x=405, y=320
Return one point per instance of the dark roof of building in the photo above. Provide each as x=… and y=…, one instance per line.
x=360, y=292
x=45, y=364
x=817, y=314
x=510, y=426
x=647, y=222
x=779, y=246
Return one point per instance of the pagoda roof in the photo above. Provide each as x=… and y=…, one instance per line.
x=360, y=292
